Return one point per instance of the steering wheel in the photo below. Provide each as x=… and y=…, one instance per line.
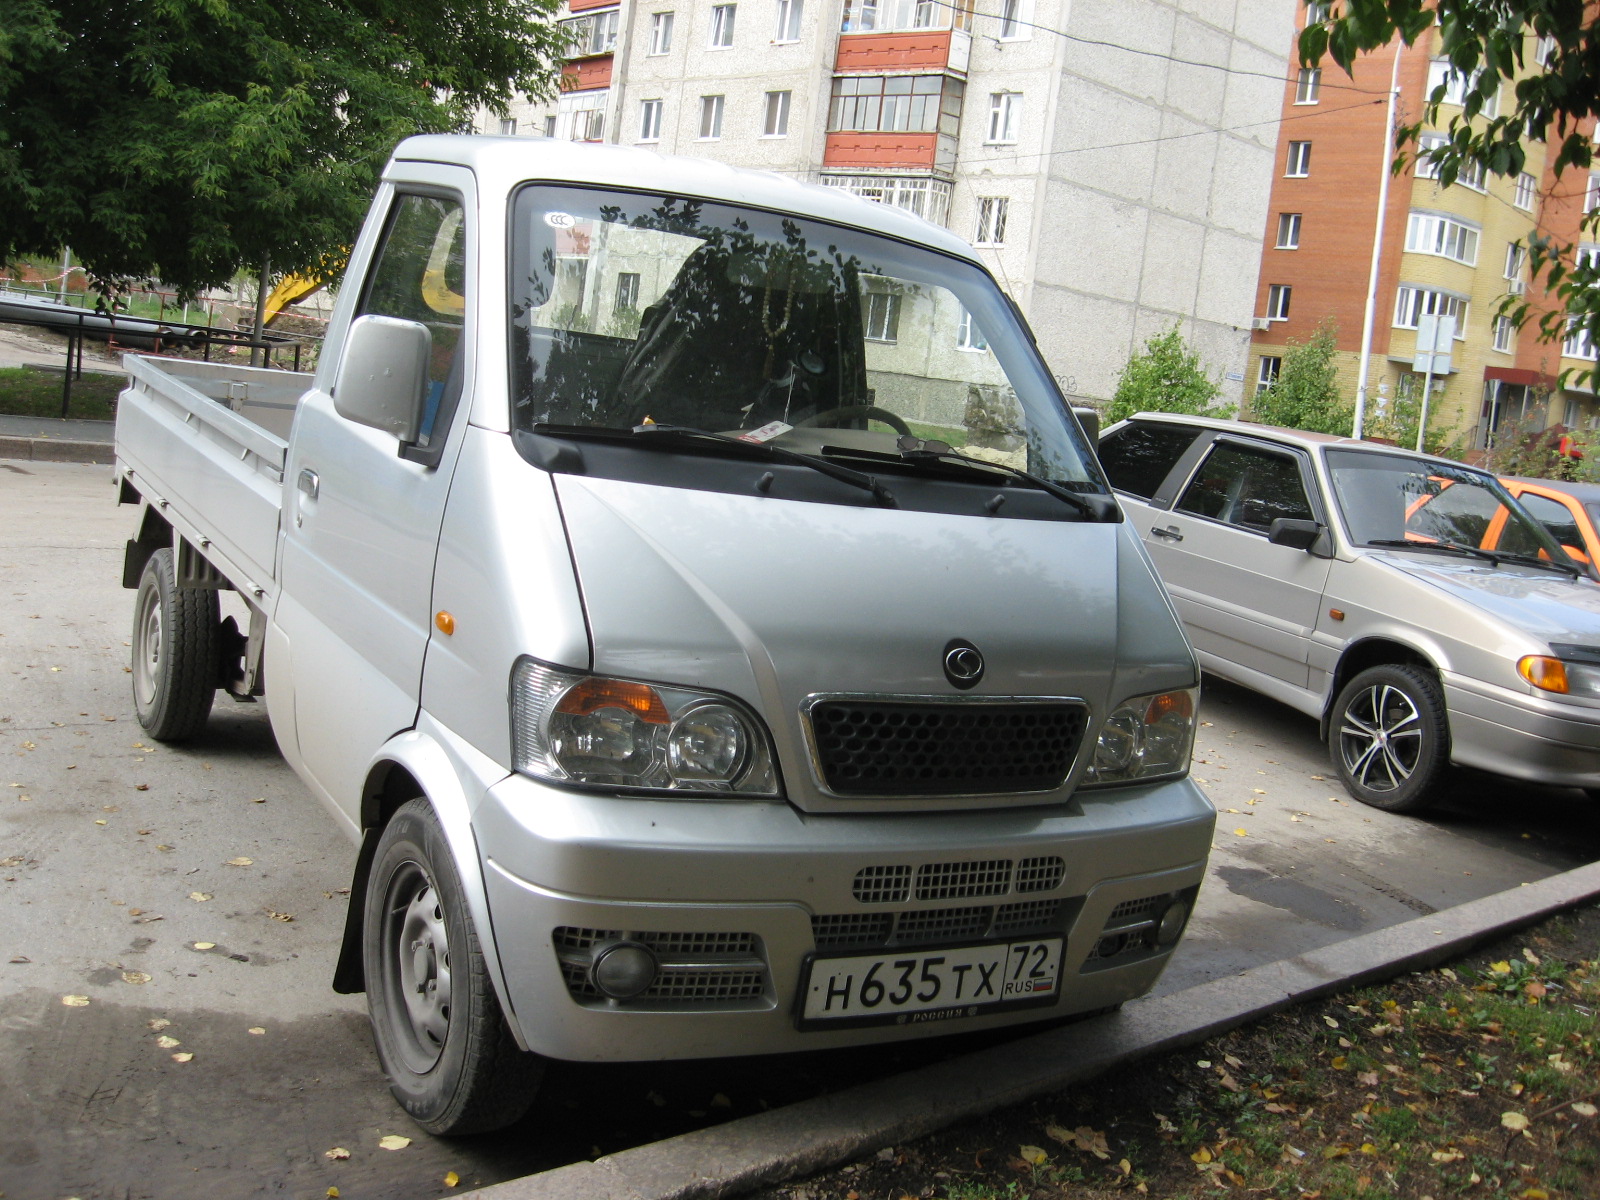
x=853, y=412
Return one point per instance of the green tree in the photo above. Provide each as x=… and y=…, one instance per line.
x=190, y=139
x=1166, y=377
x=1491, y=43
x=1306, y=393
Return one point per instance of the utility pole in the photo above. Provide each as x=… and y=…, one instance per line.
x=1377, y=242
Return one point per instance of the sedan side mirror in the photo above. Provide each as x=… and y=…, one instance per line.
x=383, y=375
x=1297, y=535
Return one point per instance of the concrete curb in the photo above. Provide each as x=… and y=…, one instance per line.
x=815, y=1134
x=56, y=450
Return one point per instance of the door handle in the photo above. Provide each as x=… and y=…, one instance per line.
x=1170, y=533
x=309, y=483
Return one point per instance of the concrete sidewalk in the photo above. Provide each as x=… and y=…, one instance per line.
x=816, y=1134
x=50, y=439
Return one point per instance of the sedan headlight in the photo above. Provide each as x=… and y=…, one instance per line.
x=572, y=728
x=1145, y=738
x=1559, y=676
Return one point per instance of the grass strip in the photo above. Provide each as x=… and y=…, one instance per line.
x=31, y=392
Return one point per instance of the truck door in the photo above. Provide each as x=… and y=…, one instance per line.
x=363, y=511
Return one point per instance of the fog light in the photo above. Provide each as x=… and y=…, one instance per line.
x=1172, y=922
x=623, y=970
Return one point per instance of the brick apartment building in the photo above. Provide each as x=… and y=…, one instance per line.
x=1112, y=160
x=1445, y=252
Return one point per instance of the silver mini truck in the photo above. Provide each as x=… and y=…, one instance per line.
x=690, y=593
x=1407, y=601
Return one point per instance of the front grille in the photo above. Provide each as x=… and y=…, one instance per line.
x=698, y=970
x=960, y=880
x=1040, y=874
x=882, y=885
x=1129, y=909
x=850, y=931
x=893, y=748
x=1129, y=933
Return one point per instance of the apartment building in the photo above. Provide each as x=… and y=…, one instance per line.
x=1445, y=253
x=1111, y=160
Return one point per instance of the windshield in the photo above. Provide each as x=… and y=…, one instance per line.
x=631, y=309
x=1387, y=498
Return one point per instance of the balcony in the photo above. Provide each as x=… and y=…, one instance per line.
x=586, y=74
x=917, y=49
x=876, y=150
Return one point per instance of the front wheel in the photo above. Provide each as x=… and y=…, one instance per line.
x=175, y=634
x=441, y=1037
x=1389, y=737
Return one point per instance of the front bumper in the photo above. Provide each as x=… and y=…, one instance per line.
x=1523, y=736
x=744, y=880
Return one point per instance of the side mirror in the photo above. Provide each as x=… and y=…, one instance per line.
x=1089, y=418
x=383, y=375
x=1297, y=535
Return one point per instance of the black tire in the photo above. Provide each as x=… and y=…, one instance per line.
x=175, y=633
x=1390, y=738
x=444, y=1044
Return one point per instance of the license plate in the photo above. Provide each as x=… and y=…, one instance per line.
x=910, y=987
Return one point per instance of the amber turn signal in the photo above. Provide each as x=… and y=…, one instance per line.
x=1548, y=674
x=445, y=622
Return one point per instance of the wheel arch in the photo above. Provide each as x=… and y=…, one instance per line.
x=412, y=765
x=1369, y=652
x=155, y=533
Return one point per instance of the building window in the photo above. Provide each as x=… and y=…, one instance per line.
x=1013, y=24
x=1578, y=343
x=1316, y=12
x=1591, y=194
x=896, y=104
x=722, y=26
x=1267, y=372
x=1288, y=231
x=883, y=16
x=882, y=316
x=1299, y=162
x=1003, y=109
x=710, y=117
x=1543, y=49
x=1308, y=85
x=660, y=33
x=1526, y=189
x=789, y=15
x=550, y=126
x=777, y=121
x=649, y=120
x=1468, y=174
x=1505, y=334
x=1446, y=85
x=1448, y=237
x=508, y=127
x=1413, y=302
x=1515, y=257
x=580, y=116
x=595, y=34
x=928, y=198
x=992, y=211
x=968, y=335
x=1278, y=302
x=627, y=291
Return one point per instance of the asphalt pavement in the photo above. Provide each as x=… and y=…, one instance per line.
x=201, y=887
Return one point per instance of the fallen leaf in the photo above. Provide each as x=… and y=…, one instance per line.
x=451, y=1179
x=337, y=1153
x=241, y=861
x=1241, y=833
x=256, y=1030
x=1367, y=1079
x=75, y=1001
x=1340, y=1062
x=1201, y=1155
x=100, y=821
x=1535, y=1193
x=141, y=787
x=393, y=1141
x=1584, y=1109
x=199, y=896
x=1034, y=1156
x=1535, y=990
x=135, y=977
x=1125, y=1166
x=1500, y=968
x=182, y=1056
x=158, y=1023
x=1447, y=1156
x=205, y=945
x=332, y=1193
x=1514, y=1121
x=278, y=916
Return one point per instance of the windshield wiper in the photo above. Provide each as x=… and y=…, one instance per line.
x=915, y=449
x=1493, y=556
x=1555, y=564
x=822, y=466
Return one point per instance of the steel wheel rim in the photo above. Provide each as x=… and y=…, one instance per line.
x=147, y=647
x=416, y=966
x=1380, y=738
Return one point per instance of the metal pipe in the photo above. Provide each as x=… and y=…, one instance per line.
x=1377, y=245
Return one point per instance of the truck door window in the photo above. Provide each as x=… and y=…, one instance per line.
x=1240, y=485
x=420, y=275
x=1140, y=455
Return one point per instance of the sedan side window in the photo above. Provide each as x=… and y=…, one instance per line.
x=1555, y=517
x=1240, y=485
x=1141, y=454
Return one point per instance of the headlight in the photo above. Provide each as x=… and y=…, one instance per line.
x=1145, y=738
x=571, y=728
x=1556, y=675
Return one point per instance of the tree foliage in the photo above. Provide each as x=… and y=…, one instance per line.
x=1167, y=377
x=187, y=139
x=1306, y=394
x=1491, y=44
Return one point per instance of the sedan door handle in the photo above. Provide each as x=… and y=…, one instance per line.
x=309, y=483
x=1170, y=533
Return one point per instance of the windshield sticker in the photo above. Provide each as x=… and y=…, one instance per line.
x=766, y=433
x=560, y=220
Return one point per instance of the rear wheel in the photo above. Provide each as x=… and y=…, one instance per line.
x=1389, y=737
x=175, y=634
x=443, y=1041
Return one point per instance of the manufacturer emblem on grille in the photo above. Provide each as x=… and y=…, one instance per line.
x=963, y=664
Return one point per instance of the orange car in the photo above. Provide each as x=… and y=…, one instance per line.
x=1570, y=511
